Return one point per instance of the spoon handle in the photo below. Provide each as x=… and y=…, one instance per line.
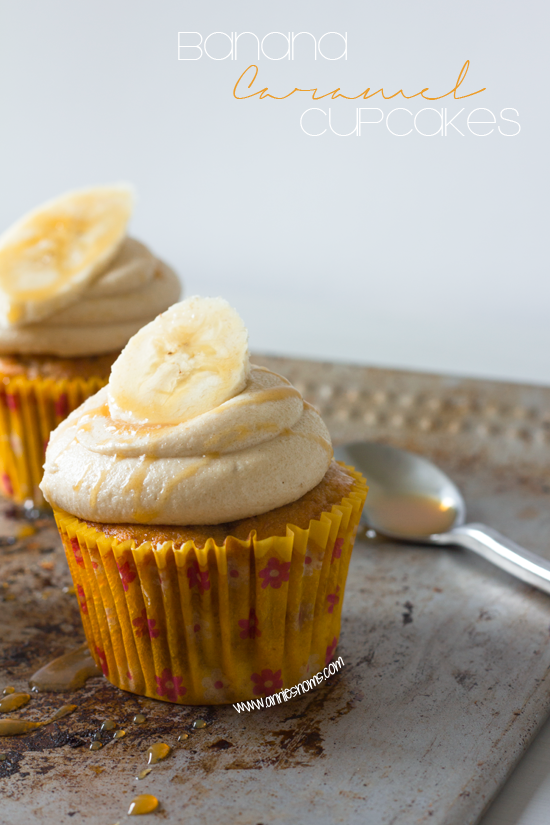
x=502, y=552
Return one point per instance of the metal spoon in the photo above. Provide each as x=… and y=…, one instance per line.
x=411, y=499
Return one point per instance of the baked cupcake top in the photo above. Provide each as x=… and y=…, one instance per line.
x=187, y=431
x=72, y=283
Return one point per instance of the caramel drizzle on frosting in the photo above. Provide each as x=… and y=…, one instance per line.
x=137, y=485
x=133, y=482
x=125, y=432
x=240, y=433
x=326, y=445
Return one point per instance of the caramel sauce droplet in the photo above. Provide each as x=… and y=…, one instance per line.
x=14, y=701
x=144, y=803
x=14, y=727
x=108, y=725
x=157, y=752
x=25, y=531
x=68, y=672
x=199, y=724
x=63, y=711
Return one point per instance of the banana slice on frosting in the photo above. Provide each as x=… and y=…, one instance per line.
x=186, y=362
x=54, y=251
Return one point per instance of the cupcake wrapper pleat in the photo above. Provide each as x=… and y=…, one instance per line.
x=29, y=410
x=216, y=624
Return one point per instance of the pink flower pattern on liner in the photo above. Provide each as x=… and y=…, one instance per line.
x=330, y=651
x=12, y=402
x=249, y=627
x=267, y=682
x=6, y=482
x=198, y=578
x=333, y=599
x=102, y=660
x=275, y=573
x=145, y=626
x=127, y=572
x=62, y=405
x=337, y=549
x=82, y=598
x=169, y=685
x=77, y=552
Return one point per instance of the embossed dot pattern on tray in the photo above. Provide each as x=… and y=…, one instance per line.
x=364, y=402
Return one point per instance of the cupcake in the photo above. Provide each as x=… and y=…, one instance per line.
x=207, y=528
x=74, y=288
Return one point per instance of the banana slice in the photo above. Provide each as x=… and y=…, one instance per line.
x=189, y=360
x=50, y=254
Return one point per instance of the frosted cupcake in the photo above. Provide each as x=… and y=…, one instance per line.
x=73, y=289
x=207, y=528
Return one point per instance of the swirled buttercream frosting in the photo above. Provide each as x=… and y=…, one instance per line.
x=72, y=283
x=103, y=316
x=260, y=449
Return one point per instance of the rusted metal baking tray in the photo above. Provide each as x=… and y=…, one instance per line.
x=446, y=658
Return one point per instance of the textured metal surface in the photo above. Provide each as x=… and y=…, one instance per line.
x=446, y=658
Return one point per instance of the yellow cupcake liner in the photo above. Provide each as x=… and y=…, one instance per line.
x=216, y=624
x=29, y=410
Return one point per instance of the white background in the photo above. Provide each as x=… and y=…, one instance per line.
x=427, y=253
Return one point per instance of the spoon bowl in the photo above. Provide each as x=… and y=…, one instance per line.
x=410, y=499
